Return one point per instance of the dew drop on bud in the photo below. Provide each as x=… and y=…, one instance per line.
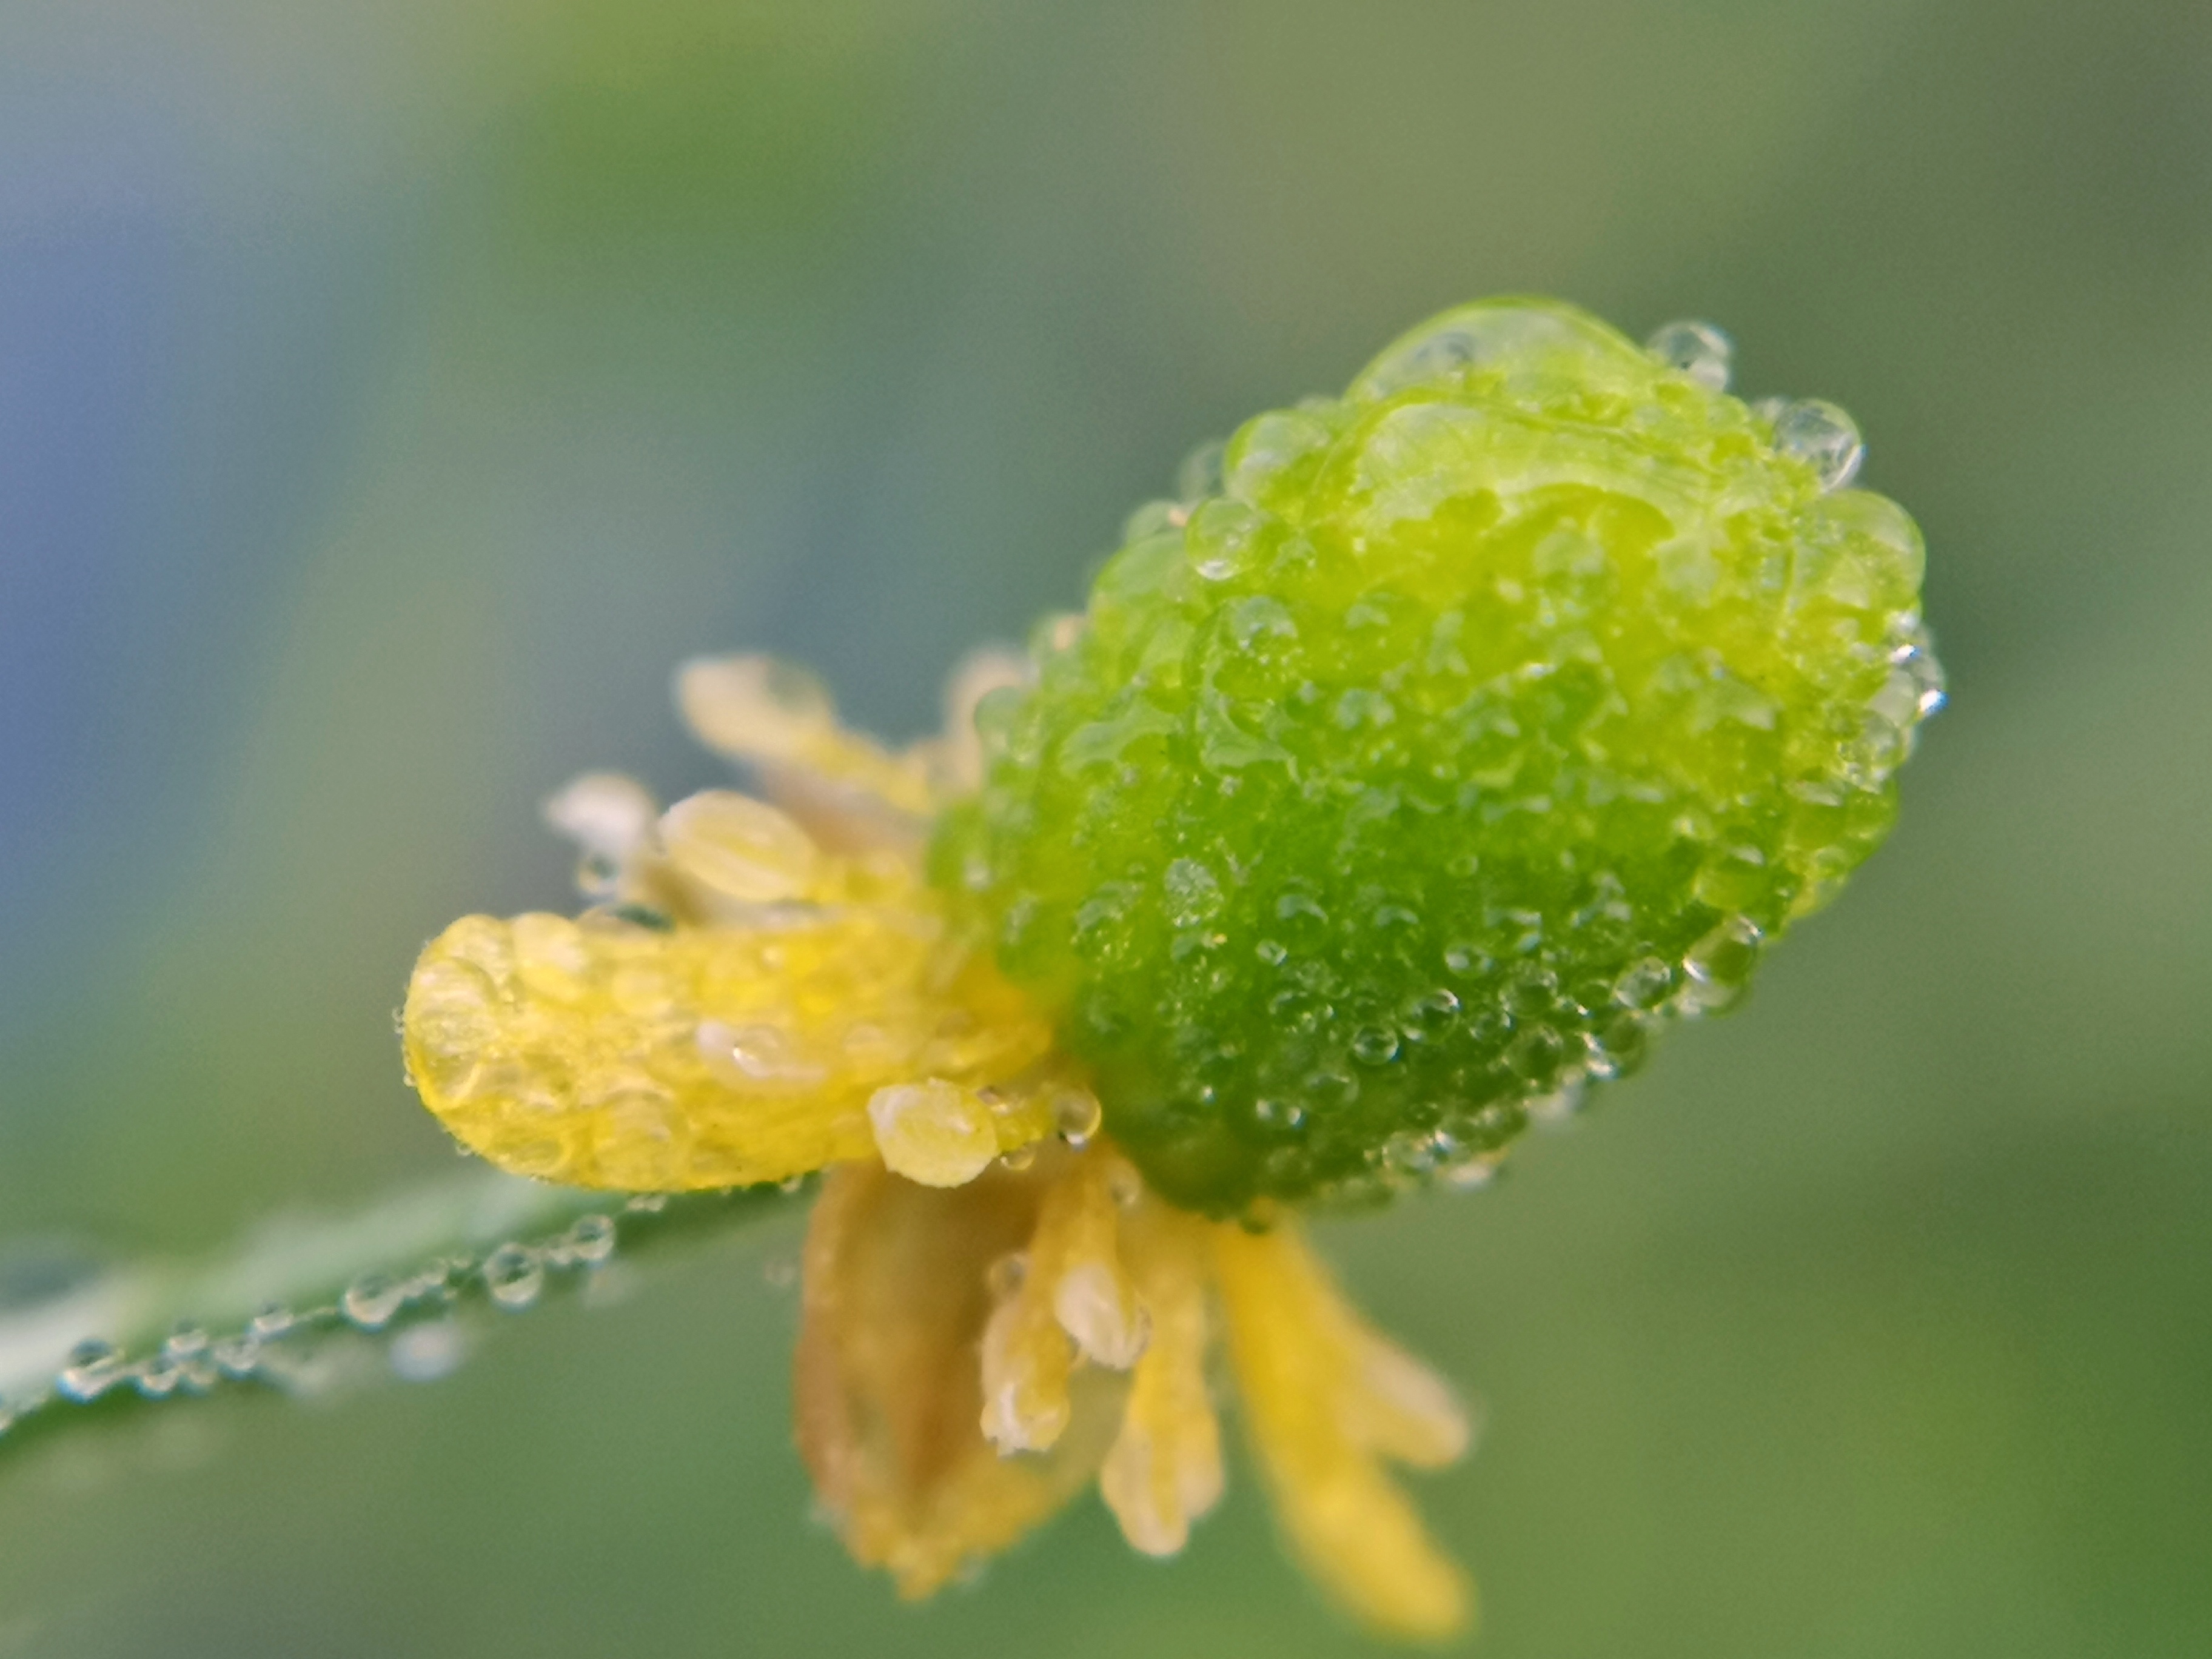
x=1823, y=436
x=1698, y=349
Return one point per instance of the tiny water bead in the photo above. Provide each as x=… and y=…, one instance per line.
x=418, y=1320
x=514, y=1274
x=1822, y=435
x=94, y=1366
x=1436, y=745
x=1698, y=349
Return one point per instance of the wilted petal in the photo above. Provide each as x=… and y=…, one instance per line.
x=889, y=1392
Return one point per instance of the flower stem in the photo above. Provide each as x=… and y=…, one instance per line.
x=306, y=1304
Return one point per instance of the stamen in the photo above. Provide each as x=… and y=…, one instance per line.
x=1073, y=1300
x=1164, y=1469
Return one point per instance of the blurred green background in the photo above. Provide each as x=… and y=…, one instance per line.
x=389, y=395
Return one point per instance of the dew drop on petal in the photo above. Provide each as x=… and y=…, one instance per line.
x=935, y=1133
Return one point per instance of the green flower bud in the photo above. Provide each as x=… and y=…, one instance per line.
x=1453, y=737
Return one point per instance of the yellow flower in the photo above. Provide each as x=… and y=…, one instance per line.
x=996, y=1309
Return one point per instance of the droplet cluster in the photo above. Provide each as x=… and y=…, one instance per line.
x=416, y=1318
x=1437, y=745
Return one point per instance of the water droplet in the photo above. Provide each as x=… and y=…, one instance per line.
x=1821, y=435
x=1273, y=952
x=370, y=1300
x=1200, y=475
x=1269, y=443
x=1644, y=984
x=647, y=1203
x=1536, y=1055
x=237, y=1357
x=93, y=1368
x=1363, y=706
x=1915, y=688
x=1466, y=958
x=1154, y=519
x=1698, y=349
x=271, y=1322
x=1125, y=1186
x=156, y=1378
x=185, y=1343
x=1418, y=1154
x=1007, y=1275
x=1330, y=1092
x=1373, y=1045
x=1617, y=1046
x=1224, y=539
x=1076, y=1114
x=1533, y=991
x=1717, y=970
x=1299, y=1012
x=935, y=1133
x=1284, y=1116
x=758, y=1057
x=591, y=1239
x=514, y=1275
x=1021, y=1158
x=1194, y=893
x=1436, y=356
x=1430, y=1016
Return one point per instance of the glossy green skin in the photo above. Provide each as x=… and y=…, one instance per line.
x=1468, y=728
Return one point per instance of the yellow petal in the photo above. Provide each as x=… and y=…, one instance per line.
x=602, y=1053
x=1164, y=1469
x=779, y=719
x=887, y=1390
x=1320, y=1422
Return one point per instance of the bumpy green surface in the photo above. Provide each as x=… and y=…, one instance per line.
x=1450, y=740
